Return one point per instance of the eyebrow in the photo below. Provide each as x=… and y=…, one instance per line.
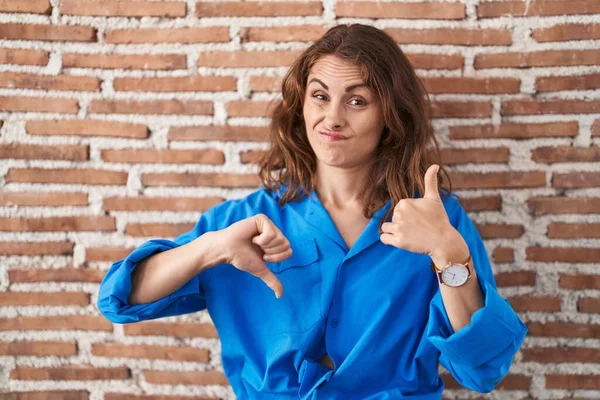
x=348, y=88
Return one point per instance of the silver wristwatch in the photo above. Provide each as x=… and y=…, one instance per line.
x=453, y=274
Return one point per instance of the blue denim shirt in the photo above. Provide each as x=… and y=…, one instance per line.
x=375, y=309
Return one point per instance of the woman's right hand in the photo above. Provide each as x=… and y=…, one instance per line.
x=251, y=241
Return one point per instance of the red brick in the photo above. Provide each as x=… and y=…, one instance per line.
x=482, y=203
x=249, y=108
x=564, y=32
x=534, y=303
x=86, y=176
x=125, y=61
x=47, y=348
x=503, y=255
x=563, y=254
x=56, y=323
x=210, y=34
x=265, y=83
x=201, y=179
x=478, y=180
x=588, y=305
x=24, y=57
x=44, y=152
x=564, y=205
x=471, y=85
x=562, y=230
x=596, y=128
x=157, y=229
x=561, y=355
x=123, y=396
x=123, y=8
x=174, y=329
x=559, y=154
x=515, y=278
x=575, y=179
x=44, y=299
x=247, y=58
x=154, y=156
x=146, y=203
x=87, y=127
x=548, y=58
x=257, y=9
x=176, y=84
x=453, y=36
x=461, y=109
x=59, y=224
x=436, y=61
x=42, y=32
x=580, y=382
x=550, y=106
x=70, y=373
x=49, y=82
x=430, y=10
x=185, y=107
x=510, y=382
x=55, y=275
x=36, y=248
x=251, y=156
x=555, y=83
x=493, y=231
x=288, y=33
x=475, y=155
x=29, y=6
x=48, y=395
x=45, y=199
x=170, y=353
x=490, y=9
x=563, y=329
x=567, y=281
x=111, y=254
x=219, y=132
x=38, y=104
x=185, y=377
x=515, y=130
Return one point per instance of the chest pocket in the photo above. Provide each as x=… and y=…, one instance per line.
x=299, y=309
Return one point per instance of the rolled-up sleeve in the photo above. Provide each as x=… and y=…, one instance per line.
x=480, y=354
x=115, y=288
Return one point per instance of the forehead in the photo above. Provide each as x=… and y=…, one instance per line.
x=332, y=70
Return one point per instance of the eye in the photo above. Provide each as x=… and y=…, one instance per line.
x=316, y=96
x=361, y=102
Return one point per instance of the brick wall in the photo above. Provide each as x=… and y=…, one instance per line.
x=123, y=120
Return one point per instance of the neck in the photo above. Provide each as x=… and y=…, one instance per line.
x=341, y=188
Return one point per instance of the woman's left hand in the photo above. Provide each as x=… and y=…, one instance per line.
x=421, y=225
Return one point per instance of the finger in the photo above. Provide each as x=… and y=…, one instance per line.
x=431, y=183
x=388, y=227
x=386, y=238
x=278, y=242
x=271, y=281
x=278, y=257
x=268, y=232
x=277, y=249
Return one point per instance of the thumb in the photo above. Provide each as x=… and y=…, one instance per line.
x=431, y=183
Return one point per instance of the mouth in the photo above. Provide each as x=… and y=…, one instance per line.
x=331, y=136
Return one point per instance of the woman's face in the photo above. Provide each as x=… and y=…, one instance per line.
x=338, y=102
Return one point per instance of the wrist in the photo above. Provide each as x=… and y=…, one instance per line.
x=452, y=248
x=211, y=248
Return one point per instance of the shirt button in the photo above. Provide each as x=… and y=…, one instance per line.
x=334, y=323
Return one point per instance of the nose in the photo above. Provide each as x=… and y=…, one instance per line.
x=335, y=118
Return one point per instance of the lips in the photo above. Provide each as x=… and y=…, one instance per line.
x=332, y=135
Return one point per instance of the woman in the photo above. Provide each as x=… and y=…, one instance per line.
x=341, y=234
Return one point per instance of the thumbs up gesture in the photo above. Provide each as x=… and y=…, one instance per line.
x=420, y=225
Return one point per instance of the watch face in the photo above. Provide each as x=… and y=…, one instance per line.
x=455, y=275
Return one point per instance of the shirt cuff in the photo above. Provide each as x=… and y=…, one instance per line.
x=492, y=329
x=116, y=287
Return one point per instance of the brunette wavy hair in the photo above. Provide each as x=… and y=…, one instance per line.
x=407, y=146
